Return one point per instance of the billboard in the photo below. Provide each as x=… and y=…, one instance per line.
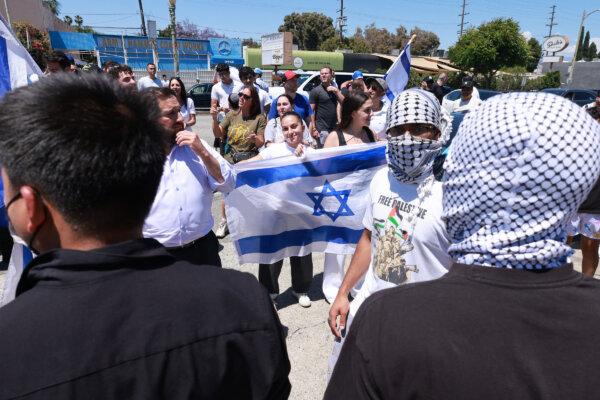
x=277, y=48
x=554, y=44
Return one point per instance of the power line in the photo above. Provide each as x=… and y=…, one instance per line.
x=552, y=23
x=462, y=18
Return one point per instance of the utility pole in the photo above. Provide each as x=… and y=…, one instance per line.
x=462, y=18
x=552, y=23
x=341, y=21
x=579, y=32
x=144, y=33
x=7, y=13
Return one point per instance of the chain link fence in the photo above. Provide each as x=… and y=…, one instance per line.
x=192, y=77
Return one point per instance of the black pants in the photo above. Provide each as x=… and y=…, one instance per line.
x=204, y=251
x=302, y=273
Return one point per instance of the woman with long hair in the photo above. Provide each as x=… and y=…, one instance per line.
x=244, y=131
x=273, y=132
x=188, y=109
x=353, y=129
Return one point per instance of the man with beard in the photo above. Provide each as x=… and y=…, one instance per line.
x=404, y=239
x=181, y=217
x=511, y=319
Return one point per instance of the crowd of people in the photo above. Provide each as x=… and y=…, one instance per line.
x=458, y=288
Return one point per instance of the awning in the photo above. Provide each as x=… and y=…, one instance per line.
x=72, y=41
x=426, y=64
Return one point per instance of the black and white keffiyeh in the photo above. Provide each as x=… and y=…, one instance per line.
x=518, y=168
x=411, y=159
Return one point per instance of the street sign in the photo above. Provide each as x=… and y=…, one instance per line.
x=277, y=48
x=554, y=44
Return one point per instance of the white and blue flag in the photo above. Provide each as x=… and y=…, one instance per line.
x=292, y=206
x=17, y=68
x=398, y=74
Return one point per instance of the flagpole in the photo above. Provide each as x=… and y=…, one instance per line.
x=402, y=52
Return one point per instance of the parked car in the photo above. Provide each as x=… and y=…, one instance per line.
x=454, y=95
x=200, y=93
x=309, y=80
x=580, y=97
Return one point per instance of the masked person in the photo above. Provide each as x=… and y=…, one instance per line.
x=511, y=319
x=404, y=239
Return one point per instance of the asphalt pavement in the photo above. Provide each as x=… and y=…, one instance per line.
x=309, y=340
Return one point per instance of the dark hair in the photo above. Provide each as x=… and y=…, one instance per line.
x=160, y=93
x=222, y=67
x=183, y=98
x=92, y=149
x=60, y=58
x=150, y=63
x=373, y=83
x=116, y=70
x=234, y=101
x=351, y=103
x=109, y=64
x=246, y=72
x=328, y=67
x=594, y=113
x=292, y=114
x=255, y=110
x=287, y=97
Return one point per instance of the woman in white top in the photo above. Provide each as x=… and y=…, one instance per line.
x=302, y=266
x=188, y=110
x=377, y=89
x=273, y=133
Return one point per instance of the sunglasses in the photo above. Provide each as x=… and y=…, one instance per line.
x=413, y=129
x=240, y=94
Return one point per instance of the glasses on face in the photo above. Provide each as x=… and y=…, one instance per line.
x=244, y=95
x=413, y=129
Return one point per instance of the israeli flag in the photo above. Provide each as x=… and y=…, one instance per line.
x=291, y=206
x=17, y=68
x=399, y=73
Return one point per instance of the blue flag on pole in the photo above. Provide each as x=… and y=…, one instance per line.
x=17, y=68
x=397, y=76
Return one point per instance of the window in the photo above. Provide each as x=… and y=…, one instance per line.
x=583, y=96
x=312, y=83
x=202, y=88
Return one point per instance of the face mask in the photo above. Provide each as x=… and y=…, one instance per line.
x=16, y=238
x=411, y=159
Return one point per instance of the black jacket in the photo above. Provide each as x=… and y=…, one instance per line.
x=130, y=322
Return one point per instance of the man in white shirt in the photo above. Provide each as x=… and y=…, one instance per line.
x=164, y=81
x=219, y=94
x=404, y=239
x=180, y=217
x=467, y=101
x=151, y=80
x=258, y=73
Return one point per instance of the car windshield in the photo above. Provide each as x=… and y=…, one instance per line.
x=303, y=78
x=559, y=92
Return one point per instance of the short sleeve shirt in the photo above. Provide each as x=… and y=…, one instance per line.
x=238, y=130
x=325, y=108
x=221, y=92
x=301, y=106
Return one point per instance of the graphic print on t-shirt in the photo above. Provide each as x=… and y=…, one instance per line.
x=392, y=242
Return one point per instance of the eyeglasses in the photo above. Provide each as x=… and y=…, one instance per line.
x=241, y=94
x=413, y=129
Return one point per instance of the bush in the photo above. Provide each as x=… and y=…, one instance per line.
x=549, y=80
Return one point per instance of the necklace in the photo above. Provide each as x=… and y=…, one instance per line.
x=355, y=138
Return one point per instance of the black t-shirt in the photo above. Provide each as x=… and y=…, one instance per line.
x=438, y=91
x=325, y=108
x=591, y=205
x=476, y=333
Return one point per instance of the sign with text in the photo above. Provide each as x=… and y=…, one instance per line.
x=554, y=44
x=277, y=48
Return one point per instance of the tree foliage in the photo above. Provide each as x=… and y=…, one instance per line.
x=535, y=52
x=39, y=41
x=425, y=42
x=188, y=30
x=579, y=54
x=310, y=29
x=52, y=5
x=592, y=51
x=490, y=47
x=79, y=27
x=251, y=43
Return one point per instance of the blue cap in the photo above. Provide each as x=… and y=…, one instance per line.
x=258, y=71
x=357, y=75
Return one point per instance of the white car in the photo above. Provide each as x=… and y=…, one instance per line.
x=310, y=79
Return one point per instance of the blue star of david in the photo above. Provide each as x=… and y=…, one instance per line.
x=328, y=191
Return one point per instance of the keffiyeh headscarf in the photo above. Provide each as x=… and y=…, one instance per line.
x=411, y=159
x=518, y=168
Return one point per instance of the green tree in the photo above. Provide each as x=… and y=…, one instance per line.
x=78, y=21
x=579, y=54
x=586, y=46
x=39, y=41
x=401, y=37
x=535, y=52
x=549, y=80
x=378, y=40
x=491, y=46
x=333, y=43
x=425, y=42
x=310, y=29
x=593, y=51
x=52, y=5
x=251, y=43
x=68, y=20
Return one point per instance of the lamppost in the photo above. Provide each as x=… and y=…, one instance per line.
x=574, y=60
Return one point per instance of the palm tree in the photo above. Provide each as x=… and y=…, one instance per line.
x=53, y=5
x=173, y=36
x=68, y=20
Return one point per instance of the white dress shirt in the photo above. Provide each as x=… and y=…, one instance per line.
x=181, y=211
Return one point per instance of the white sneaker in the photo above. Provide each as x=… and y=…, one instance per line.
x=303, y=299
x=222, y=229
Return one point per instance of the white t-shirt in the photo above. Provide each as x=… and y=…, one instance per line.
x=277, y=150
x=392, y=203
x=274, y=134
x=461, y=105
x=145, y=82
x=378, y=122
x=221, y=92
x=186, y=111
x=265, y=98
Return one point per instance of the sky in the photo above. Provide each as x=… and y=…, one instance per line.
x=248, y=18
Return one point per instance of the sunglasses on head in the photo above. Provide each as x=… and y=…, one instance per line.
x=241, y=94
